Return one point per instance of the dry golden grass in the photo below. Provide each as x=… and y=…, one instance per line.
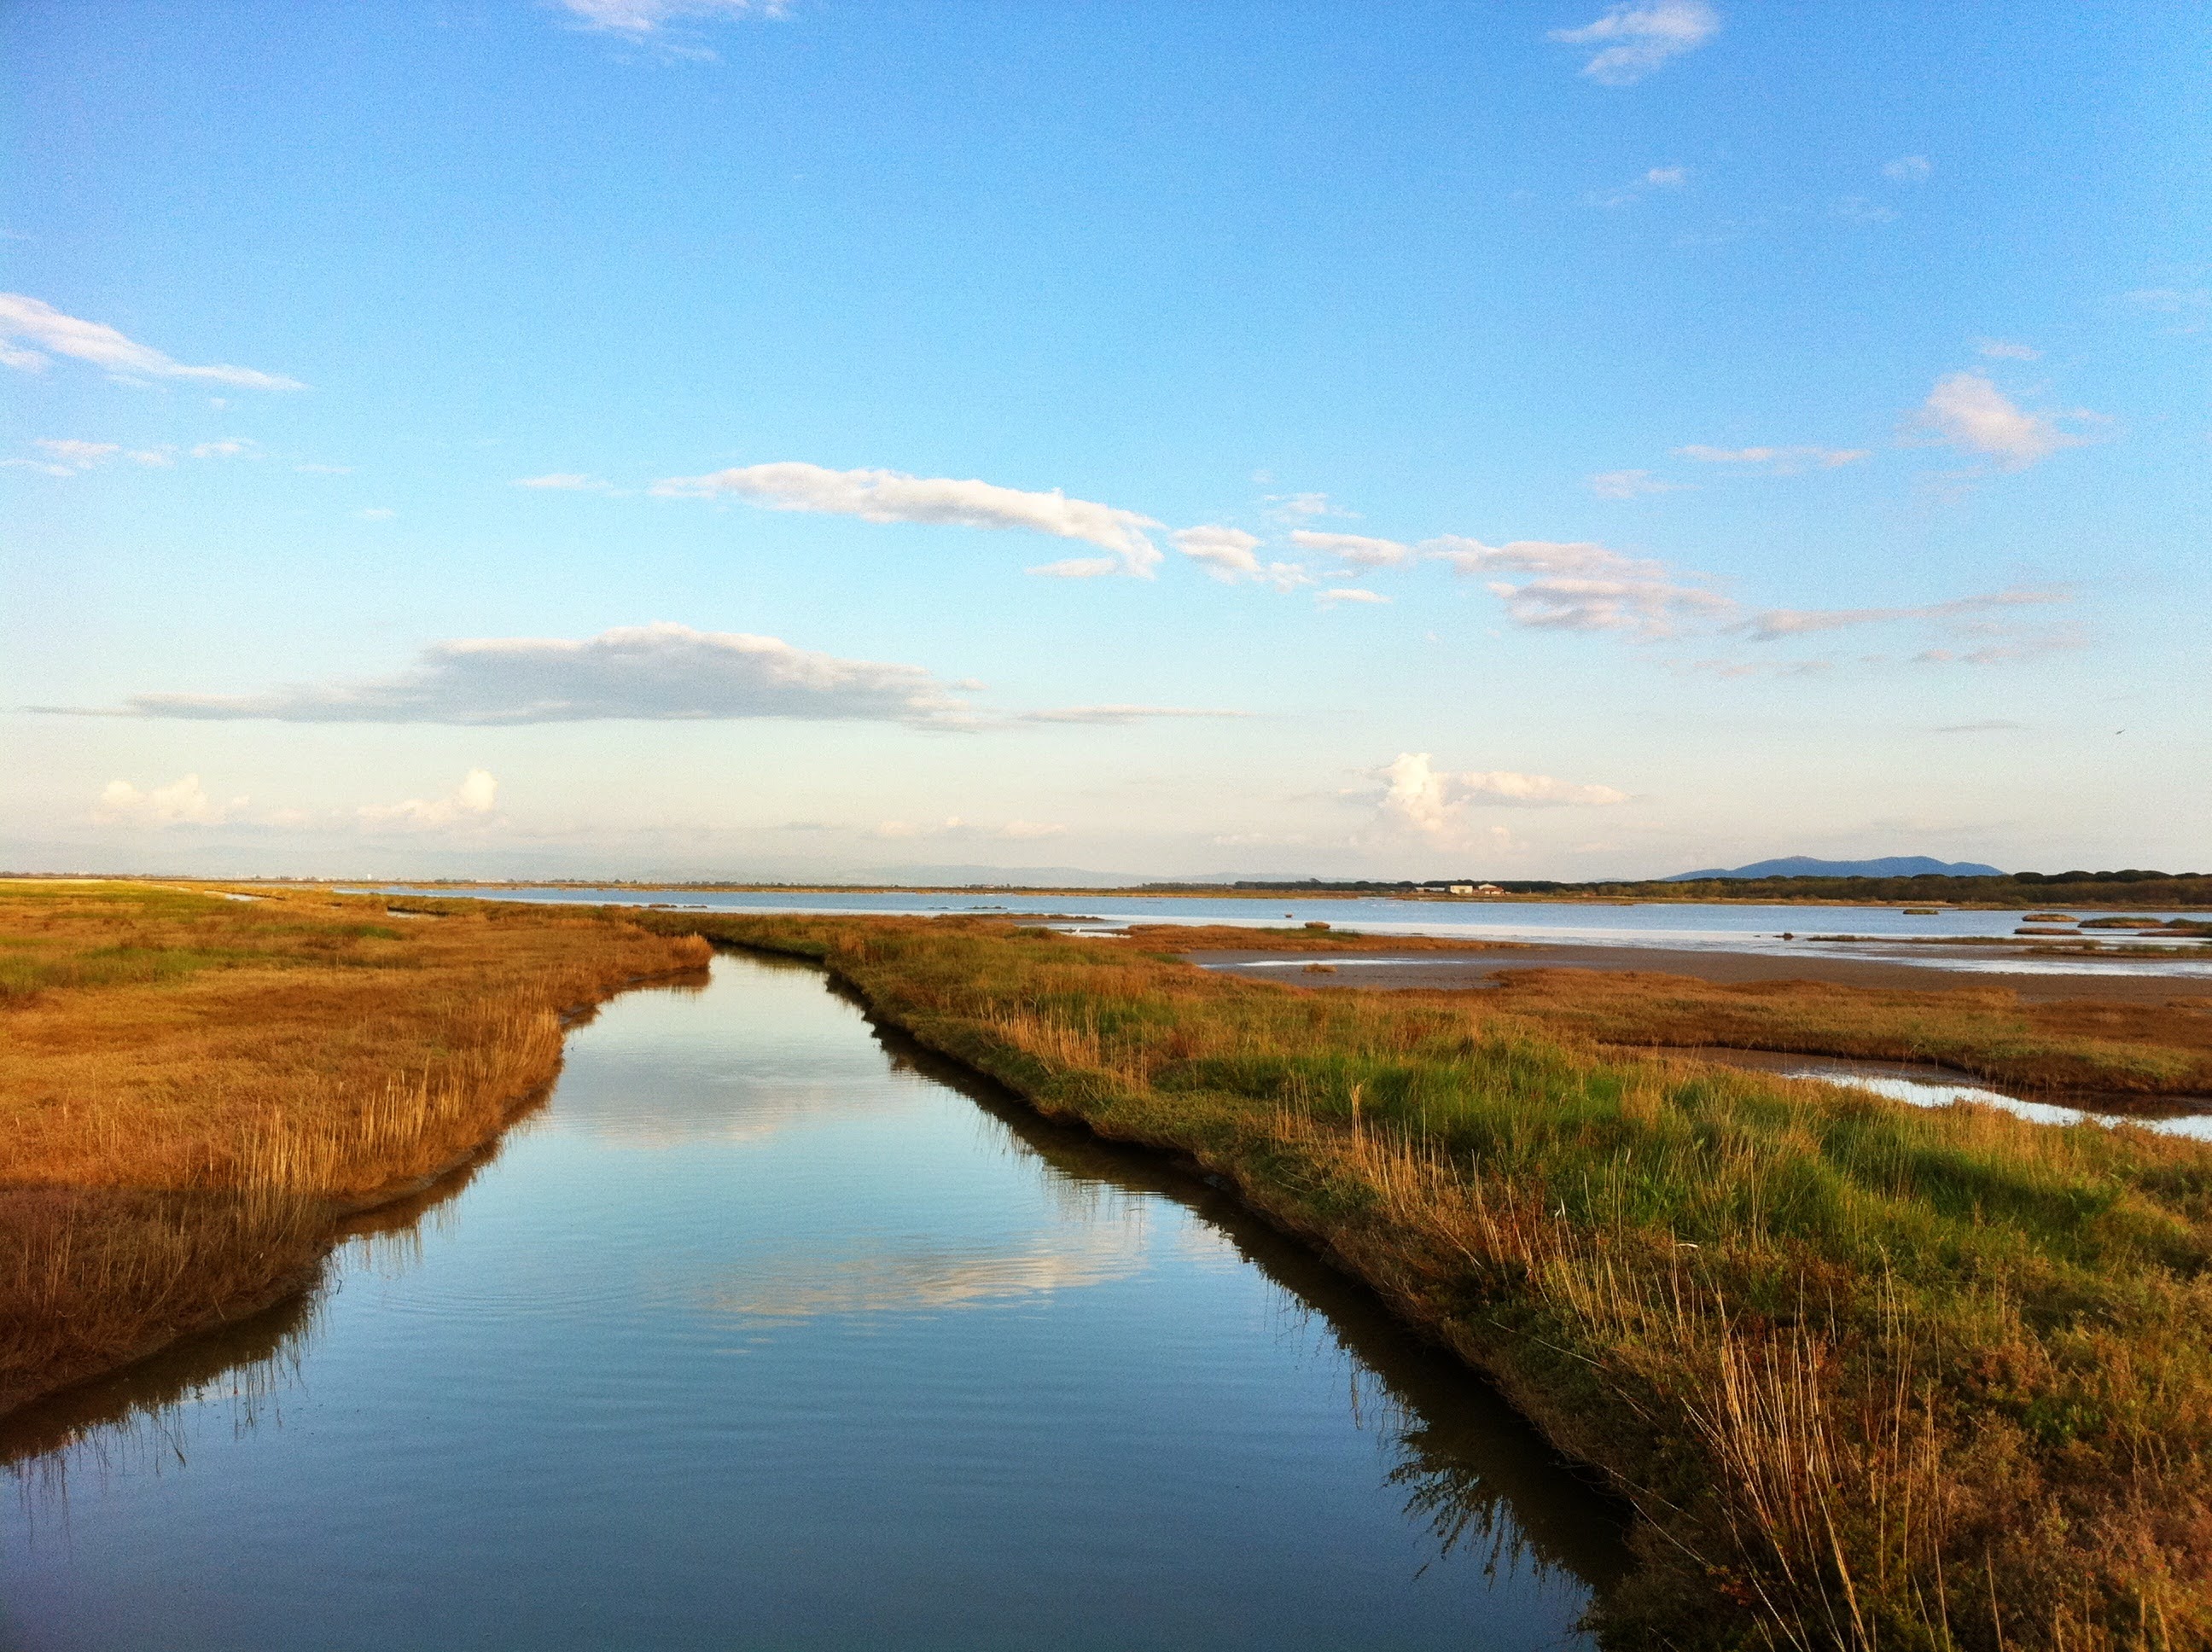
x=2141, y=1049
x=192, y=1088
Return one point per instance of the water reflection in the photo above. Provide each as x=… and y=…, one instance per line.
x=143, y=1417
x=1475, y=1473
x=841, y=1360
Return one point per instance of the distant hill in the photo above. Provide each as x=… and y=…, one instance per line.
x=1803, y=865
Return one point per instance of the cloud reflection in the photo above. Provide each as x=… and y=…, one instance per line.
x=929, y=1278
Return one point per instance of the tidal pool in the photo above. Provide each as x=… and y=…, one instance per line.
x=770, y=1331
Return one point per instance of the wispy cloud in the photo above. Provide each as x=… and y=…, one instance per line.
x=1418, y=795
x=894, y=496
x=1775, y=461
x=32, y=332
x=1295, y=507
x=573, y=482
x=69, y=456
x=1584, y=587
x=2008, y=649
x=2174, y=301
x=1999, y=349
x=182, y=802
x=1356, y=549
x=1350, y=593
x=1966, y=411
x=1117, y=716
x=1631, y=484
x=1634, y=40
x=1908, y=169
x=640, y=19
x=1774, y=623
x=654, y=673
x=1230, y=554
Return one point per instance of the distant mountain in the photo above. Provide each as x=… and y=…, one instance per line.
x=1803, y=865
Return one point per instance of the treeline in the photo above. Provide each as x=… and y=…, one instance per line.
x=2135, y=887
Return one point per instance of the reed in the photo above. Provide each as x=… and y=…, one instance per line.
x=194, y=1089
x=1877, y=1376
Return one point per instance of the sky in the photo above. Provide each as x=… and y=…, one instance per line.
x=688, y=438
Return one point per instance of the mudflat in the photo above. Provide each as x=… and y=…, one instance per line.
x=1430, y=971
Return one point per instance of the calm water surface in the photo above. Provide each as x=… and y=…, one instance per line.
x=762, y=1334
x=1888, y=935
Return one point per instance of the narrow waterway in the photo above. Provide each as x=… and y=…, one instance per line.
x=770, y=1331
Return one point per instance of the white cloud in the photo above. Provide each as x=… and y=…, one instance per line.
x=1291, y=507
x=32, y=332
x=652, y=673
x=1775, y=461
x=1668, y=177
x=1229, y=555
x=1776, y=623
x=66, y=456
x=473, y=799
x=1999, y=349
x=893, y=496
x=1909, y=168
x=1630, y=484
x=639, y=18
x=1416, y=794
x=563, y=482
x=181, y=803
x=1634, y=39
x=77, y=455
x=1347, y=594
x=1965, y=409
x=1582, y=586
x=377, y=513
x=1354, y=548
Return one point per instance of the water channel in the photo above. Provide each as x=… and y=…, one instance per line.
x=770, y=1331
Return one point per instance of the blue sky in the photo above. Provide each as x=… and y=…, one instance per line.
x=638, y=437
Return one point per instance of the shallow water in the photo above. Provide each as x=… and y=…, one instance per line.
x=1932, y=1086
x=1891, y=934
x=762, y=1334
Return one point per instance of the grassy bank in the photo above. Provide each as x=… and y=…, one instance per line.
x=1876, y=1377
x=193, y=1090
x=2117, y=1050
